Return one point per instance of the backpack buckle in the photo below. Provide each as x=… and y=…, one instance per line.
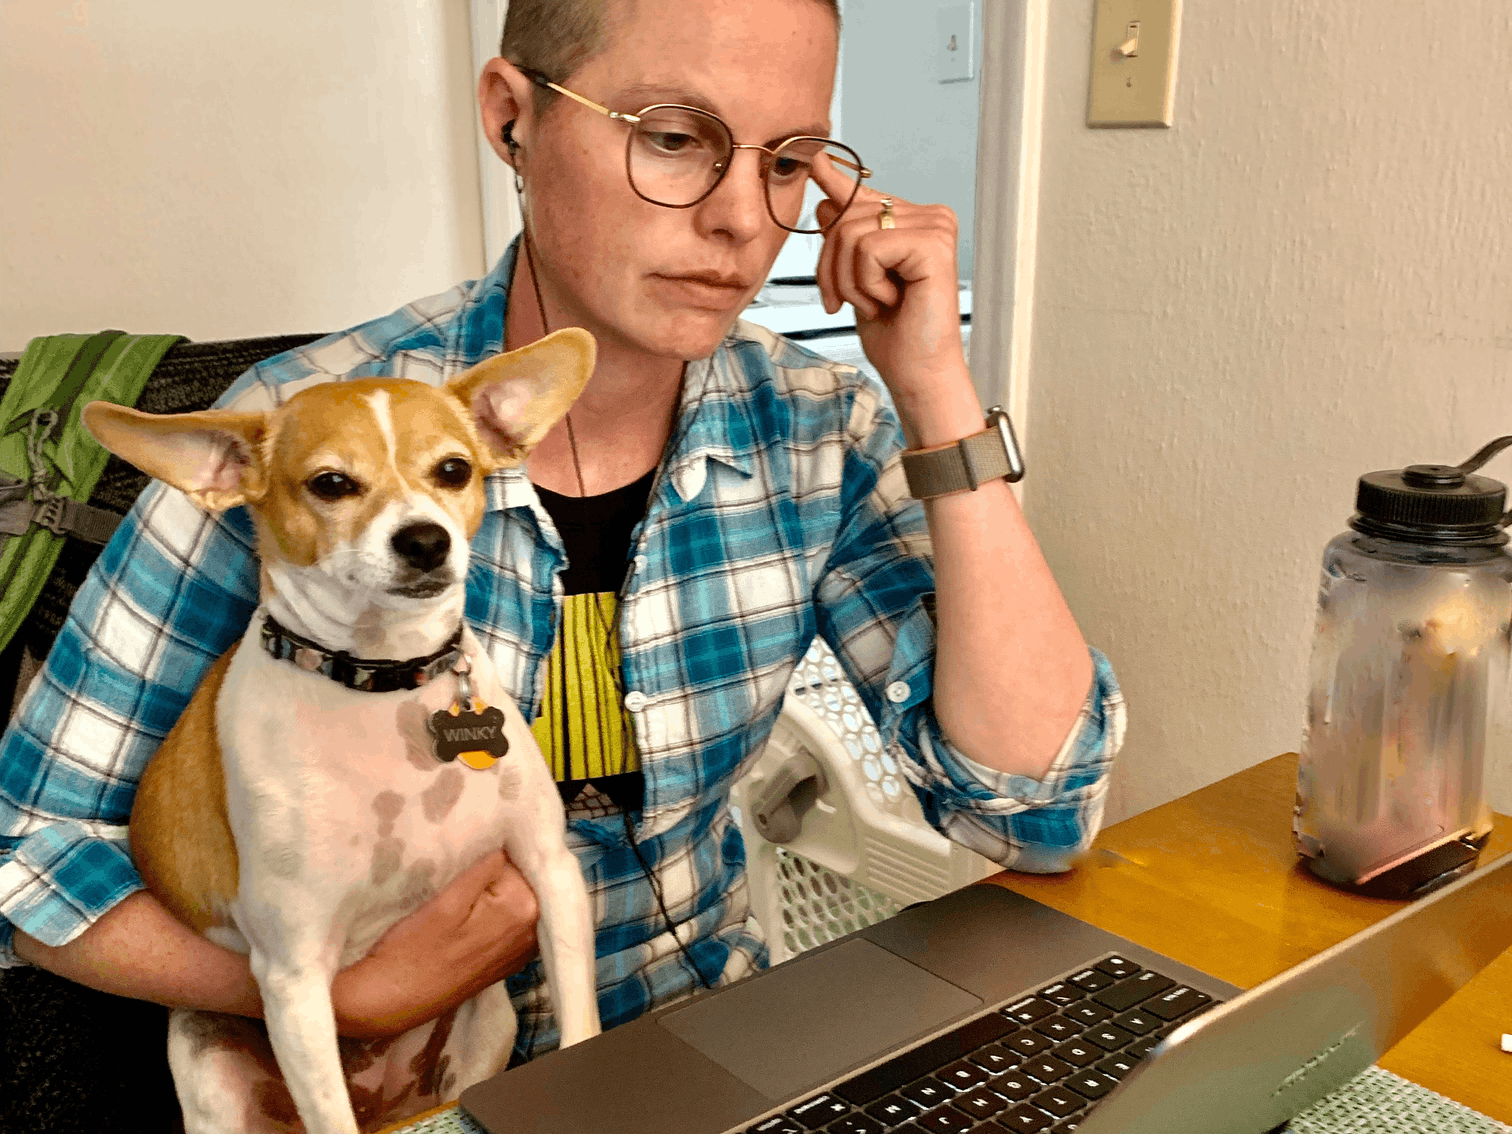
x=49, y=515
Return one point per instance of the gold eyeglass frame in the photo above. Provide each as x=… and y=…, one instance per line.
x=721, y=168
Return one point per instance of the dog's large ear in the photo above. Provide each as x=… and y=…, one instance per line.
x=216, y=457
x=516, y=398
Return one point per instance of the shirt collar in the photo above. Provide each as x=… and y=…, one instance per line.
x=714, y=420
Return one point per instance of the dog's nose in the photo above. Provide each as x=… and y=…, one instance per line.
x=422, y=546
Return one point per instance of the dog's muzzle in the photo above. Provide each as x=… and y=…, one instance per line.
x=422, y=549
x=422, y=546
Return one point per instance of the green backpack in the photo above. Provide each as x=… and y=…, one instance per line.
x=48, y=461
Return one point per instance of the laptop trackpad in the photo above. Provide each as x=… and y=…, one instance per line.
x=802, y=1024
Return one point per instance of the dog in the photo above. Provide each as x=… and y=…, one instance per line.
x=302, y=805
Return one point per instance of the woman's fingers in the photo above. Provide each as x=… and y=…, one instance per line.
x=836, y=270
x=875, y=254
x=856, y=260
x=463, y=892
x=824, y=271
x=845, y=236
x=838, y=185
x=479, y=929
x=867, y=266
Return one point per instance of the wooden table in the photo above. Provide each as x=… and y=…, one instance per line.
x=1211, y=880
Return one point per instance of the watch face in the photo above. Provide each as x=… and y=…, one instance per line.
x=998, y=417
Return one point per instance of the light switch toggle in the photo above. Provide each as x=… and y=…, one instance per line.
x=1133, y=79
x=954, y=54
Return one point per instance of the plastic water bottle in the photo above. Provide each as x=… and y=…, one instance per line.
x=1409, y=659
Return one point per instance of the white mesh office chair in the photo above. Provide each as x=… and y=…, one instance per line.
x=835, y=838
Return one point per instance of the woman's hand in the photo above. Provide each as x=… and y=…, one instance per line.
x=479, y=930
x=902, y=283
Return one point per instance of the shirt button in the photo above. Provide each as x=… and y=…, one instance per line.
x=635, y=700
x=897, y=692
x=640, y=562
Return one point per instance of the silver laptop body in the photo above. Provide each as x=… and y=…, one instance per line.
x=834, y=1022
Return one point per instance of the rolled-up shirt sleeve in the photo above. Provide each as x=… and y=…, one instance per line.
x=875, y=600
x=1036, y=825
x=170, y=592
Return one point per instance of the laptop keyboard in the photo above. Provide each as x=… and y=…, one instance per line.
x=1040, y=1063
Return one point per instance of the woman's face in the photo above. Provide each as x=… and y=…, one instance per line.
x=660, y=281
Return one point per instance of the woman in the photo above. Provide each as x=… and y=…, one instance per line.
x=715, y=498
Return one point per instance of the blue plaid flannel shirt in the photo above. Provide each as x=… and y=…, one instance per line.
x=780, y=512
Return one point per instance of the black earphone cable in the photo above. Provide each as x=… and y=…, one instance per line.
x=661, y=901
x=609, y=636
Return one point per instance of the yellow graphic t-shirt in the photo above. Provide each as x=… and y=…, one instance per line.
x=584, y=729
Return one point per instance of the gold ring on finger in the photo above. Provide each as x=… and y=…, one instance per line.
x=885, y=217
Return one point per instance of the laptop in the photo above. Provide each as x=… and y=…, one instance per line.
x=986, y=1010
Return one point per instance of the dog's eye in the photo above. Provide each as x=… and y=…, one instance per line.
x=332, y=485
x=453, y=472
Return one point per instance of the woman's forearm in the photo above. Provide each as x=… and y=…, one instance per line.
x=477, y=931
x=1012, y=669
x=138, y=949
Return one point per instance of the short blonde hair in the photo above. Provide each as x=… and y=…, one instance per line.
x=553, y=37
x=556, y=37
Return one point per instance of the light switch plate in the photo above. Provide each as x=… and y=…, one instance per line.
x=955, y=59
x=1133, y=63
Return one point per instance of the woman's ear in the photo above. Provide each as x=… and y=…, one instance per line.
x=504, y=101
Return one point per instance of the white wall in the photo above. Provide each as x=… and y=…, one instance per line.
x=1307, y=278
x=221, y=170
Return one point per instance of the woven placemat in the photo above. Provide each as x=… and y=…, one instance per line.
x=1377, y=1100
x=1374, y=1102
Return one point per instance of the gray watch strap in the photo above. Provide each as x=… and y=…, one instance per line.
x=970, y=462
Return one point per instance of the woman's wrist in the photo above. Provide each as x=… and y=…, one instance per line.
x=375, y=997
x=940, y=412
x=370, y=1003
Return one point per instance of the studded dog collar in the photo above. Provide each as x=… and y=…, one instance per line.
x=369, y=675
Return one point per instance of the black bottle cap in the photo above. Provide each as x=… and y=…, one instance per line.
x=1430, y=504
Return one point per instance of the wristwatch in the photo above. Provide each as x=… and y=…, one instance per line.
x=967, y=463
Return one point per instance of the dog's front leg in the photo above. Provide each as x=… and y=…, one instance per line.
x=565, y=931
x=294, y=968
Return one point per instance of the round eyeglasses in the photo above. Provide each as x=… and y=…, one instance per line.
x=675, y=156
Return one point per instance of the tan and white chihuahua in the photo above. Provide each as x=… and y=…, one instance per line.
x=316, y=790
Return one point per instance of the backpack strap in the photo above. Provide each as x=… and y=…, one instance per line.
x=48, y=461
x=57, y=514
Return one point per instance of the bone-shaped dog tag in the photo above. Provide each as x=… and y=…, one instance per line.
x=474, y=735
x=469, y=731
